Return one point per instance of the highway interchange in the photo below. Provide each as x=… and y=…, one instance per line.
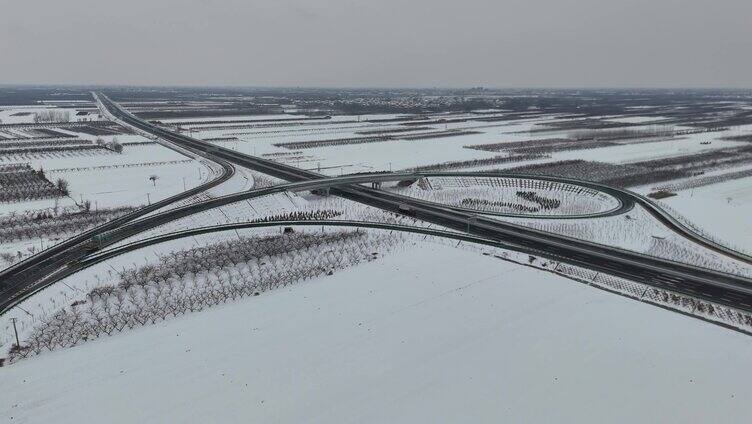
x=22, y=280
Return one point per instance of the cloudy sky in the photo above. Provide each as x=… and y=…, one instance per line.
x=424, y=43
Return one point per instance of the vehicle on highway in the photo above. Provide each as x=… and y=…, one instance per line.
x=406, y=209
x=95, y=243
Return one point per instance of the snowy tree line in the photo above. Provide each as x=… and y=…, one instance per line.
x=623, y=133
x=505, y=182
x=47, y=116
x=645, y=172
x=113, y=144
x=51, y=149
x=262, y=181
x=382, y=130
x=48, y=142
x=438, y=134
x=703, y=161
x=639, y=232
x=49, y=224
x=650, y=131
x=118, y=166
x=496, y=206
x=199, y=278
x=705, y=181
x=20, y=182
x=333, y=142
x=318, y=215
x=475, y=163
x=56, y=152
x=371, y=139
x=680, y=302
x=268, y=134
x=513, y=145
x=228, y=126
x=508, y=200
x=26, y=136
x=544, y=202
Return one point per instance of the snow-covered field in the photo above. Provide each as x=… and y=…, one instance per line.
x=25, y=114
x=395, y=154
x=110, y=186
x=640, y=232
x=513, y=196
x=102, y=178
x=430, y=332
x=477, y=339
x=723, y=210
x=647, y=151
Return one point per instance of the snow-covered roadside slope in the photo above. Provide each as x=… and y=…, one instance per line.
x=722, y=210
x=434, y=335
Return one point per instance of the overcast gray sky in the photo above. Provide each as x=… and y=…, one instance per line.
x=496, y=43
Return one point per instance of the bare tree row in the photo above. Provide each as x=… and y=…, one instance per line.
x=150, y=294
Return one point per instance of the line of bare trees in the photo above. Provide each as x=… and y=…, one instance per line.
x=319, y=214
x=544, y=202
x=496, y=206
x=20, y=182
x=29, y=143
x=199, y=278
x=46, y=150
x=47, y=116
x=676, y=301
x=474, y=163
x=49, y=224
x=113, y=144
x=292, y=145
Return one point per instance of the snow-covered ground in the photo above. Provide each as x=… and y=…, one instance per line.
x=406, y=154
x=428, y=333
x=110, y=179
x=638, y=231
x=25, y=114
x=648, y=151
x=506, y=195
x=723, y=210
x=475, y=340
x=102, y=177
x=396, y=154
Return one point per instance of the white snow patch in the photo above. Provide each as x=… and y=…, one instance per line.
x=476, y=340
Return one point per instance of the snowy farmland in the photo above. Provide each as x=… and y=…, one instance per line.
x=105, y=169
x=327, y=319
x=514, y=196
x=399, y=346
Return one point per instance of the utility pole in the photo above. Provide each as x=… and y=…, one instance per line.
x=15, y=330
x=148, y=199
x=183, y=183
